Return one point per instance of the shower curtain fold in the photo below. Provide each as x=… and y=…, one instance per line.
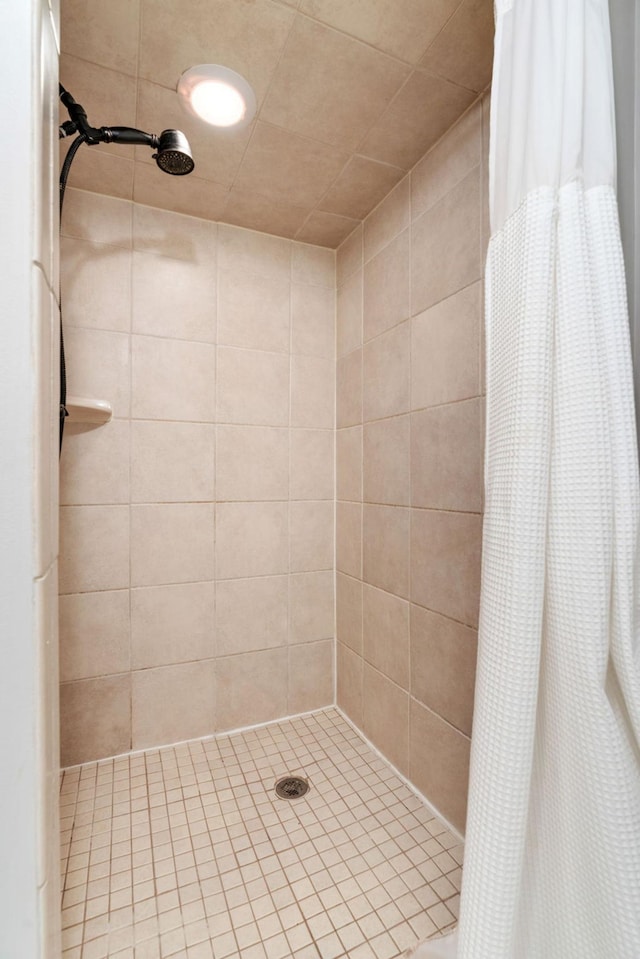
x=552, y=861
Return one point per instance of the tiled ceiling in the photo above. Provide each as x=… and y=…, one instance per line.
x=350, y=94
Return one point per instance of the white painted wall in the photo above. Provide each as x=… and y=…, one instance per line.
x=29, y=891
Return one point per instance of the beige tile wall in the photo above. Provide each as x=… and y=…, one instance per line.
x=196, y=566
x=409, y=464
x=197, y=548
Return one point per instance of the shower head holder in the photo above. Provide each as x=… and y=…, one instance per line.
x=174, y=152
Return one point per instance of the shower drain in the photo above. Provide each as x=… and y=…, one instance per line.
x=291, y=787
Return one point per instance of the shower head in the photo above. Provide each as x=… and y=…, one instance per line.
x=174, y=153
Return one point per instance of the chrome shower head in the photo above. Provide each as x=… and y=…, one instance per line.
x=174, y=153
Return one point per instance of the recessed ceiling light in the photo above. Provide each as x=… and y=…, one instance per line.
x=217, y=95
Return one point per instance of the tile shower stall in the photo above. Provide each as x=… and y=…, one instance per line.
x=269, y=565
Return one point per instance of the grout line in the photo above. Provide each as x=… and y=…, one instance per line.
x=289, y=439
x=130, y=444
x=214, y=532
x=361, y=425
x=410, y=447
x=335, y=480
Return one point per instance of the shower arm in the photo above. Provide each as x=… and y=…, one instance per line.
x=92, y=135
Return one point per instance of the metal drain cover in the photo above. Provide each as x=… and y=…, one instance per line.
x=292, y=787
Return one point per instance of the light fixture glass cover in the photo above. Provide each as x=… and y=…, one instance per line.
x=217, y=95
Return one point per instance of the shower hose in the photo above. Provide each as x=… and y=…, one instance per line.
x=64, y=174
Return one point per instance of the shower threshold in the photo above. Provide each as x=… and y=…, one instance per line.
x=185, y=852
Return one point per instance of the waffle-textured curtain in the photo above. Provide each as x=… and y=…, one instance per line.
x=552, y=863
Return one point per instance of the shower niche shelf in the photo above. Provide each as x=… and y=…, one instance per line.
x=86, y=411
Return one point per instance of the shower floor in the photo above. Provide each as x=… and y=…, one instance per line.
x=186, y=852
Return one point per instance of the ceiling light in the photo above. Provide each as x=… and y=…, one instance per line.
x=217, y=95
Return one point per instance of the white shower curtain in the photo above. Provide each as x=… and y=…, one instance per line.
x=552, y=863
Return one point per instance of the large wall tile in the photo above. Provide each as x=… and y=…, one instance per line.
x=386, y=374
x=311, y=464
x=445, y=350
x=386, y=461
x=94, y=634
x=349, y=538
x=445, y=563
x=349, y=389
x=349, y=683
x=95, y=718
x=386, y=548
x=253, y=311
x=172, y=703
x=443, y=661
x=251, y=614
x=310, y=676
x=451, y=159
x=251, y=688
x=389, y=218
x=252, y=463
x=386, y=717
x=313, y=264
x=446, y=457
x=349, y=612
x=439, y=763
x=173, y=234
x=253, y=387
x=172, y=462
x=311, y=535
x=349, y=314
x=96, y=285
x=312, y=392
x=385, y=628
x=349, y=256
x=172, y=624
x=174, y=297
x=172, y=380
x=251, y=539
x=386, y=287
x=95, y=465
x=349, y=464
x=313, y=320
x=171, y=544
x=252, y=252
x=311, y=607
x=94, y=548
x=445, y=245
x=101, y=219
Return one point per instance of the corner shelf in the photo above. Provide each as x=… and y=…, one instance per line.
x=92, y=412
